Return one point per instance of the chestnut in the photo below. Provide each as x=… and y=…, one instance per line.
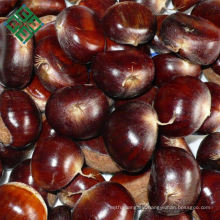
x=174, y=142
x=212, y=76
x=38, y=93
x=149, y=214
x=79, y=33
x=174, y=181
x=98, y=6
x=156, y=6
x=46, y=7
x=96, y=155
x=208, y=154
x=209, y=199
x=112, y=46
x=6, y=6
x=123, y=74
x=212, y=123
x=216, y=66
x=59, y=213
x=191, y=37
x=105, y=201
x=11, y=157
x=187, y=101
x=16, y=60
x=54, y=68
x=131, y=134
x=169, y=66
x=73, y=192
x=209, y=9
x=20, y=201
x=22, y=173
x=136, y=184
x=20, y=119
x=55, y=162
x=78, y=111
x=1, y=168
x=147, y=97
x=129, y=23
x=183, y=5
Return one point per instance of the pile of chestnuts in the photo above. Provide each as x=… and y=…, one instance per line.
x=95, y=126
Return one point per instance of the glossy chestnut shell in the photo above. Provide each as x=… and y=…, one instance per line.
x=183, y=5
x=131, y=134
x=208, y=154
x=103, y=200
x=123, y=74
x=187, y=102
x=59, y=213
x=129, y=23
x=20, y=119
x=175, y=181
x=6, y=6
x=20, y=201
x=79, y=111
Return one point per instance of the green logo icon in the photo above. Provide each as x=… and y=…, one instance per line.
x=23, y=24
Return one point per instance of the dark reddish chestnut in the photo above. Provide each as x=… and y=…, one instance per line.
x=136, y=184
x=48, y=19
x=77, y=111
x=174, y=142
x=187, y=101
x=10, y=157
x=46, y=7
x=112, y=46
x=16, y=60
x=174, y=181
x=79, y=33
x=209, y=199
x=131, y=134
x=147, y=97
x=208, y=154
x=47, y=131
x=20, y=201
x=98, y=6
x=156, y=6
x=22, y=173
x=129, y=23
x=183, y=5
x=168, y=66
x=54, y=68
x=1, y=168
x=149, y=214
x=20, y=119
x=216, y=66
x=212, y=76
x=105, y=201
x=123, y=74
x=212, y=123
x=96, y=155
x=6, y=6
x=156, y=42
x=191, y=37
x=38, y=93
x=55, y=162
x=73, y=192
x=59, y=213
x=209, y=9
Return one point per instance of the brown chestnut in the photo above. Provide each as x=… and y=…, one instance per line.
x=79, y=33
x=16, y=60
x=78, y=111
x=212, y=123
x=216, y=66
x=131, y=134
x=20, y=201
x=212, y=76
x=123, y=74
x=105, y=201
x=55, y=162
x=129, y=23
x=191, y=37
x=96, y=155
x=187, y=101
x=59, y=213
x=6, y=6
x=208, y=154
x=112, y=46
x=54, y=68
x=82, y=182
x=183, y=5
x=20, y=119
x=174, y=181
x=1, y=168
x=169, y=66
